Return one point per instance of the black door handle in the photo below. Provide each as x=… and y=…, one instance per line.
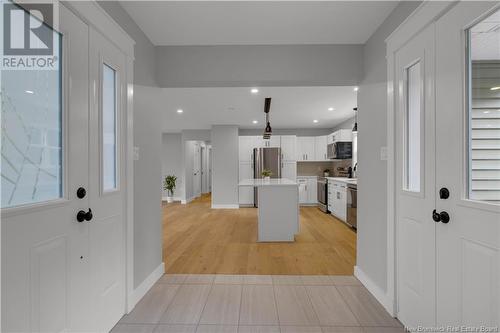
x=84, y=216
x=440, y=217
x=81, y=193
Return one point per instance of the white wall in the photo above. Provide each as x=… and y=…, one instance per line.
x=171, y=154
x=147, y=184
x=372, y=136
x=259, y=65
x=225, y=166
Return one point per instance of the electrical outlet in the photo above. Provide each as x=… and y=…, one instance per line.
x=136, y=153
x=383, y=154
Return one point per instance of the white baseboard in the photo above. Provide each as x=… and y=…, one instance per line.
x=375, y=290
x=184, y=202
x=225, y=206
x=144, y=287
x=175, y=199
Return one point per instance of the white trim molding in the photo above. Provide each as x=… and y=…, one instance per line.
x=144, y=287
x=381, y=296
x=225, y=206
x=175, y=199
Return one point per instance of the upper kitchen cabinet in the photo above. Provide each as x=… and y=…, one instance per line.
x=273, y=142
x=343, y=135
x=289, y=147
x=246, y=145
x=289, y=170
x=305, y=148
x=320, y=148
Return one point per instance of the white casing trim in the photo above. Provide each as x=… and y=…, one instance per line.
x=144, y=287
x=375, y=290
x=225, y=206
x=184, y=202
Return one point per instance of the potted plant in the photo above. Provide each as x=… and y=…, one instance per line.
x=266, y=173
x=169, y=186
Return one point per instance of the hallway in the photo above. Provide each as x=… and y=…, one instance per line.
x=201, y=240
x=266, y=304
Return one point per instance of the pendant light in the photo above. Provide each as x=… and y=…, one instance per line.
x=268, y=130
x=355, y=128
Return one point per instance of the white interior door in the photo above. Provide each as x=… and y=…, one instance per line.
x=107, y=181
x=45, y=149
x=468, y=165
x=197, y=170
x=415, y=180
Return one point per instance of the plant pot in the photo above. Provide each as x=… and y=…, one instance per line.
x=170, y=199
x=267, y=179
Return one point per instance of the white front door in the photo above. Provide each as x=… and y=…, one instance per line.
x=415, y=180
x=107, y=181
x=448, y=171
x=60, y=273
x=468, y=165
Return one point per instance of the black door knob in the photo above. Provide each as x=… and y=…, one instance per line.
x=444, y=193
x=81, y=193
x=440, y=217
x=84, y=216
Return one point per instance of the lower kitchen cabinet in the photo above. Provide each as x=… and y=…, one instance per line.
x=337, y=200
x=245, y=194
x=308, y=190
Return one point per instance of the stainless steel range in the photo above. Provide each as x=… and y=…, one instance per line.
x=323, y=194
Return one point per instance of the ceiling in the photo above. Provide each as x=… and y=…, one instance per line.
x=485, y=38
x=291, y=107
x=258, y=22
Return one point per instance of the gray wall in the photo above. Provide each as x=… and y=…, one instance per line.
x=372, y=136
x=225, y=165
x=144, y=50
x=259, y=65
x=147, y=184
x=171, y=155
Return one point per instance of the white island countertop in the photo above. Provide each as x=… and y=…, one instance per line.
x=257, y=182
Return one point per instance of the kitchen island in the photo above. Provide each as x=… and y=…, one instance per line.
x=278, y=205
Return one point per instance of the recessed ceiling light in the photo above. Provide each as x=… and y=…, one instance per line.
x=356, y=88
x=254, y=90
x=486, y=112
x=495, y=88
x=180, y=111
x=315, y=121
x=29, y=91
x=331, y=109
x=254, y=121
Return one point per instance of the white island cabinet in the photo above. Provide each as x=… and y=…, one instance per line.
x=278, y=205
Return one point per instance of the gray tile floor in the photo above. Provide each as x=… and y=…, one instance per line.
x=184, y=303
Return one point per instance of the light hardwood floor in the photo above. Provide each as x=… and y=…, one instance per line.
x=200, y=240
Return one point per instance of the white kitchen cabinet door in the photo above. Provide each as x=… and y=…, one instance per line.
x=305, y=148
x=302, y=190
x=273, y=142
x=245, y=193
x=312, y=190
x=289, y=170
x=288, y=148
x=320, y=143
x=246, y=148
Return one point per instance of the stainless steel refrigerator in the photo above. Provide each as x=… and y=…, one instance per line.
x=269, y=159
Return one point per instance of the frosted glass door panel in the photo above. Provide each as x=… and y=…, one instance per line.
x=412, y=128
x=31, y=142
x=108, y=128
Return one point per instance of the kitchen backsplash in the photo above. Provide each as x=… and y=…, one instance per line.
x=317, y=168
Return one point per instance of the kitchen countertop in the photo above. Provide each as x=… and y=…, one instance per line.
x=307, y=176
x=353, y=181
x=256, y=182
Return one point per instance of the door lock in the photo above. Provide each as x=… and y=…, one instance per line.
x=440, y=217
x=444, y=193
x=84, y=216
x=81, y=193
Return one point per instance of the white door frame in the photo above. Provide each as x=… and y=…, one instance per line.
x=425, y=14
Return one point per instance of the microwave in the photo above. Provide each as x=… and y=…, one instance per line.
x=339, y=150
